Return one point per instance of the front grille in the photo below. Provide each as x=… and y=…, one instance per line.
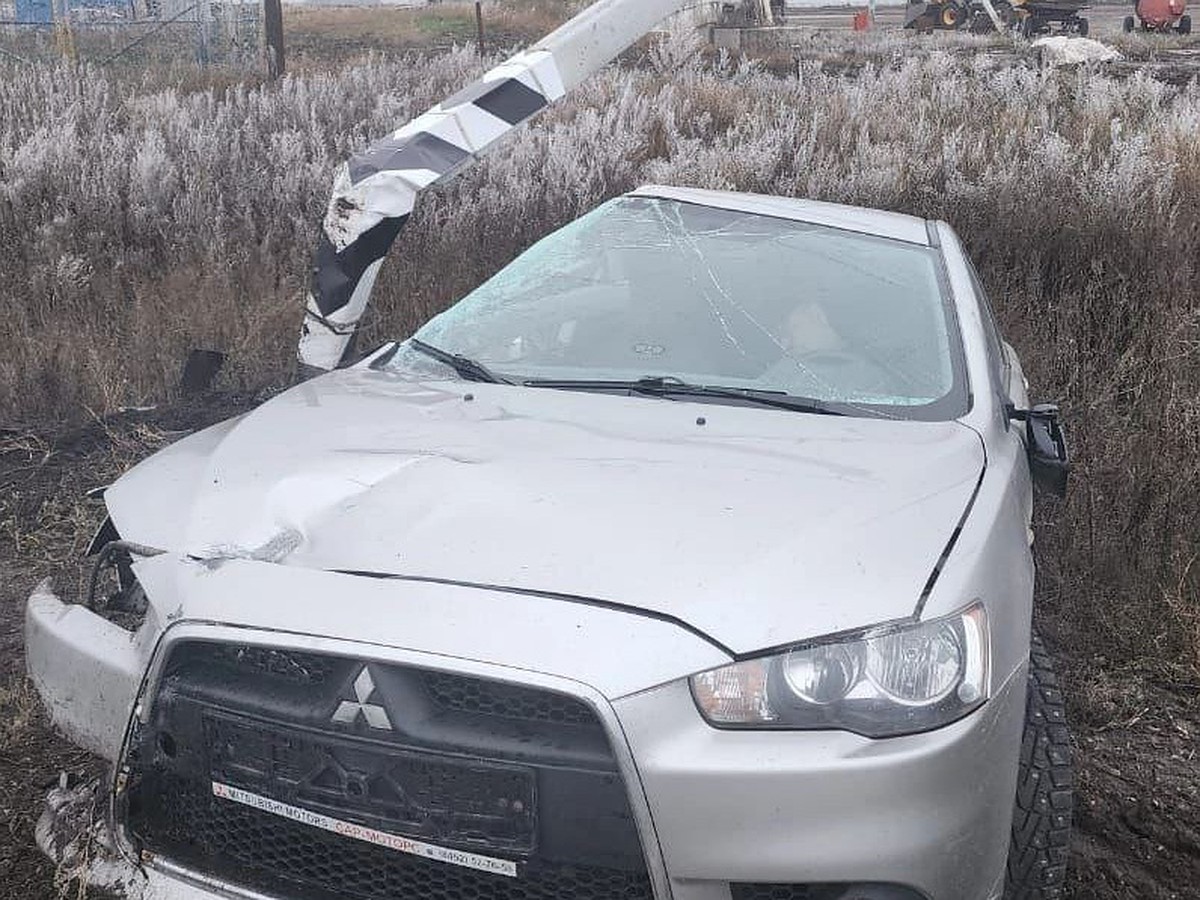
x=259, y=849
x=469, y=764
x=491, y=698
x=289, y=665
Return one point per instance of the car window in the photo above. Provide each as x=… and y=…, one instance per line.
x=646, y=287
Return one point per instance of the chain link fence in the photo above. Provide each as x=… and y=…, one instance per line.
x=138, y=32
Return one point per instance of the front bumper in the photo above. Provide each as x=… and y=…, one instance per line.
x=85, y=668
x=714, y=808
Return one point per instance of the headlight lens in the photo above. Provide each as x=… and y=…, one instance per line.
x=824, y=674
x=889, y=682
x=917, y=667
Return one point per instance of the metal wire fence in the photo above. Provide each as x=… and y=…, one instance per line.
x=207, y=32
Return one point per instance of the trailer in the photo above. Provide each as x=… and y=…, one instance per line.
x=1037, y=17
x=1028, y=17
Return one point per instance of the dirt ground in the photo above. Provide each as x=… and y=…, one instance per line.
x=1137, y=732
x=45, y=524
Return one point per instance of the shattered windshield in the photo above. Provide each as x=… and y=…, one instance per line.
x=645, y=288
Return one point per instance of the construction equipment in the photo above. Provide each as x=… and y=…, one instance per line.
x=1162, y=16
x=1029, y=17
x=1035, y=17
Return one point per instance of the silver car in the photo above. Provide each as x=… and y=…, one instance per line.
x=688, y=557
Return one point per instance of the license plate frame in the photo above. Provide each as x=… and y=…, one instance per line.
x=461, y=858
x=453, y=802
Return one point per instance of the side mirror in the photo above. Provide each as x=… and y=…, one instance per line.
x=1049, y=462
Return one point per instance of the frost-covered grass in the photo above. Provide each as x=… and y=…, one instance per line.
x=138, y=220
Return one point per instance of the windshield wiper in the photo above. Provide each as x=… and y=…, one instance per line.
x=673, y=387
x=468, y=368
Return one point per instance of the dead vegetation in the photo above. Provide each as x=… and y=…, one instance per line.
x=318, y=34
x=45, y=524
x=141, y=217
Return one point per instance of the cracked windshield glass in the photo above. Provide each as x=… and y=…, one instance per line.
x=646, y=288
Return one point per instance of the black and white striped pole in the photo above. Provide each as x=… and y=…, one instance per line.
x=375, y=192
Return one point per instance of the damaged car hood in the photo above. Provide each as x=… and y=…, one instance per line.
x=756, y=527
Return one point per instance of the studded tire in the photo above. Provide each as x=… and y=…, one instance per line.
x=1041, y=830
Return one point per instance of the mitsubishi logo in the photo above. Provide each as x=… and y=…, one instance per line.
x=348, y=711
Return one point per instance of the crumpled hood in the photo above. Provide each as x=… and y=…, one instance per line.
x=757, y=527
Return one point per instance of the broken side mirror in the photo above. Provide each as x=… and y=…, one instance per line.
x=1046, y=445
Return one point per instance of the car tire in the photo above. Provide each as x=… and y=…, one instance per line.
x=1127, y=25
x=1041, y=829
x=1185, y=25
x=1081, y=27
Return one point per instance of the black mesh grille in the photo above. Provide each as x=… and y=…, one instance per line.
x=287, y=665
x=260, y=849
x=494, y=698
x=513, y=773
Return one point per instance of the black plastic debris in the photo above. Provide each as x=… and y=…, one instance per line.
x=199, y=371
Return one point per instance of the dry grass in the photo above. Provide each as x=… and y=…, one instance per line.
x=140, y=219
x=318, y=34
x=46, y=518
x=18, y=711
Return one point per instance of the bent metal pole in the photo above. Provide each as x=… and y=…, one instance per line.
x=375, y=192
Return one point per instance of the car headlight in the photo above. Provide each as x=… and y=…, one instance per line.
x=885, y=682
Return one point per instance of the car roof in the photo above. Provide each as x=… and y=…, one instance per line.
x=896, y=226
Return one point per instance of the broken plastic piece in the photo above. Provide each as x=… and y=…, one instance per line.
x=199, y=371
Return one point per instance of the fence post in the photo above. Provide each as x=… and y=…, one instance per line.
x=273, y=32
x=479, y=27
x=64, y=37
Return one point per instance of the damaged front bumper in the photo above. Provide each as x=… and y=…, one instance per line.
x=720, y=815
x=86, y=669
